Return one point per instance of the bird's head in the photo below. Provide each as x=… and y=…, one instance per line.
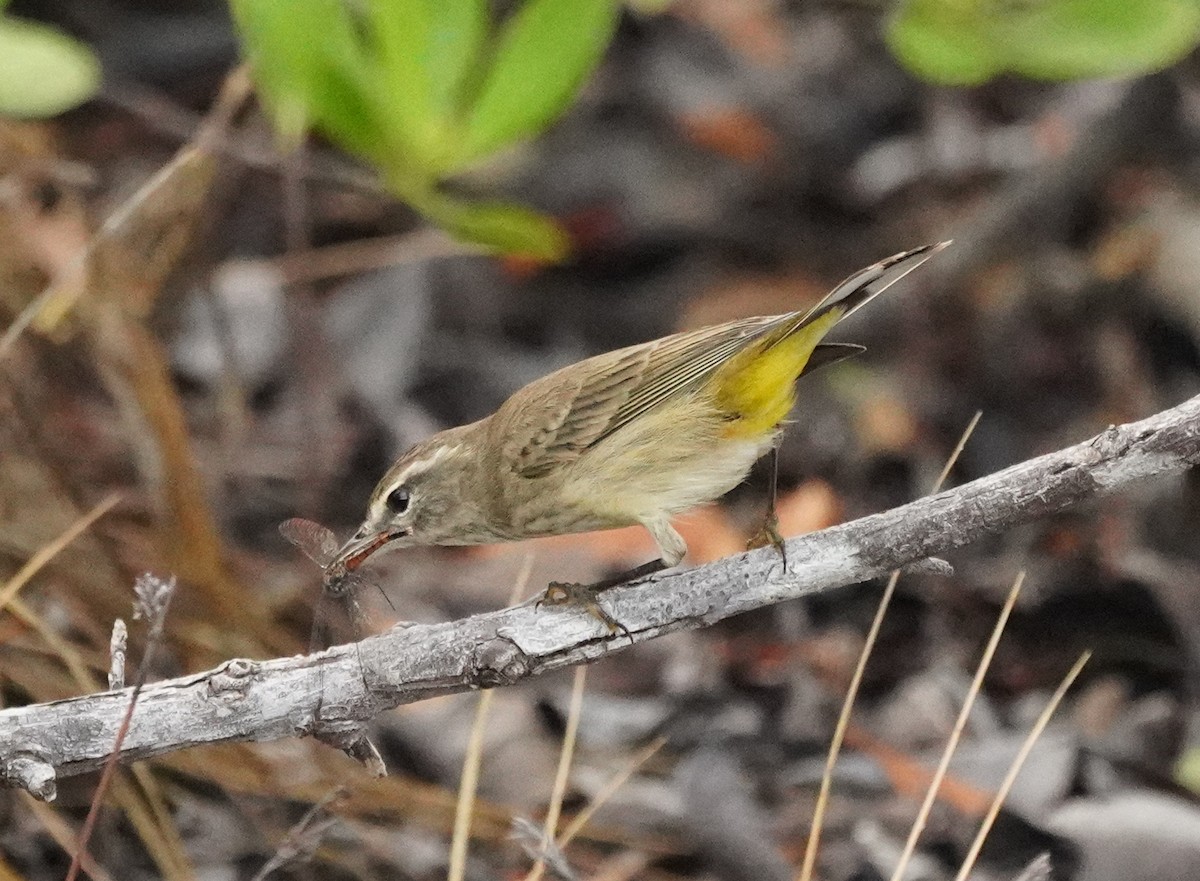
x=427, y=497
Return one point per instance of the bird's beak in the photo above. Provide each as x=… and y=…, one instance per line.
x=363, y=543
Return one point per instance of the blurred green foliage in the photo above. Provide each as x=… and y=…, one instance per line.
x=966, y=42
x=42, y=70
x=425, y=89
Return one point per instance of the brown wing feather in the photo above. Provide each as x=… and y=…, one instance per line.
x=551, y=421
x=680, y=362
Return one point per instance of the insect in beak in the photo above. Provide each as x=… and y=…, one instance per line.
x=364, y=543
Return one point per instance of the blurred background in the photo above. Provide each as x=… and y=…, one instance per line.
x=254, y=328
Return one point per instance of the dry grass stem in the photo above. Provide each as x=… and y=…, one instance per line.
x=624, y=866
x=580, y=820
x=303, y=838
x=51, y=549
x=153, y=600
x=147, y=812
x=469, y=783
x=60, y=831
x=1022, y=754
x=7, y=872
x=960, y=724
x=952, y=460
x=71, y=658
x=60, y=295
x=839, y=732
x=564, y=770
x=468, y=786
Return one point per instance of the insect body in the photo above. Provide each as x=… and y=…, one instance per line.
x=338, y=575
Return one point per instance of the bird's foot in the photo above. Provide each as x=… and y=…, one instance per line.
x=769, y=535
x=585, y=596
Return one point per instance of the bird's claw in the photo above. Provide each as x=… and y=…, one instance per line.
x=586, y=596
x=769, y=535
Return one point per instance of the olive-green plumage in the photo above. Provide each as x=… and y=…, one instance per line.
x=631, y=436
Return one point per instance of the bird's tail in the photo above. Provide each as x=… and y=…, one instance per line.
x=756, y=388
x=861, y=288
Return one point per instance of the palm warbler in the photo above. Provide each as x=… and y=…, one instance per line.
x=630, y=437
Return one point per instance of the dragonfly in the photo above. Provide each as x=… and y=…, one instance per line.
x=339, y=578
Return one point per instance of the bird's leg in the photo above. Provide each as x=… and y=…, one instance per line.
x=769, y=533
x=562, y=593
x=673, y=549
x=622, y=577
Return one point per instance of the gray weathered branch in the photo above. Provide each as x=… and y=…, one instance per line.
x=344, y=687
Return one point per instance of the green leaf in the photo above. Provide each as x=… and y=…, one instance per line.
x=511, y=229
x=43, y=71
x=1072, y=39
x=455, y=48
x=1187, y=769
x=964, y=42
x=426, y=49
x=390, y=80
x=943, y=42
x=314, y=70
x=544, y=53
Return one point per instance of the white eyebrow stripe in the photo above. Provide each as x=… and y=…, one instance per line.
x=378, y=509
x=420, y=466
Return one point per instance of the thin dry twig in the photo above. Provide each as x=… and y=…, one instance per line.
x=960, y=725
x=469, y=784
x=534, y=840
x=308, y=265
x=1018, y=763
x=116, y=654
x=564, y=771
x=843, y=722
x=309, y=353
x=153, y=599
x=163, y=115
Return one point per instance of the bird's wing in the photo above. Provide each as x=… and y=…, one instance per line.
x=553, y=420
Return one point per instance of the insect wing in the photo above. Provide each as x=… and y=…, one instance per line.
x=315, y=541
x=338, y=602
x=321, y=636
x=340, y=587
x=352, y=608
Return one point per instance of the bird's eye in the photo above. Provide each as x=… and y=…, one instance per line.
x=397, y=499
